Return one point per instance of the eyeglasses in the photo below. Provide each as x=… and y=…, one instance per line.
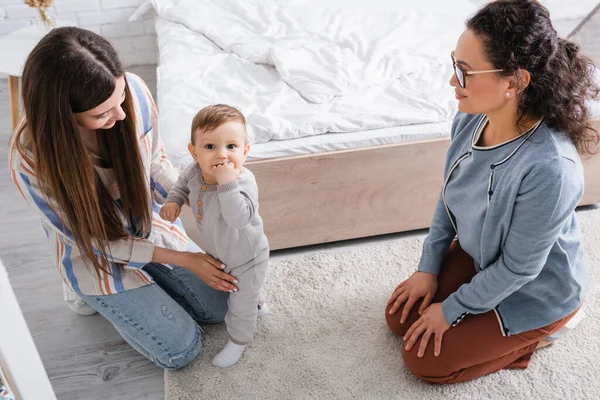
x=461, y=74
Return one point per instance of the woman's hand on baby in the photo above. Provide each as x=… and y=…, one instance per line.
x=226, y=173
x=432, y=322
x=170, y=211
x=210, y=271
x=419, y=285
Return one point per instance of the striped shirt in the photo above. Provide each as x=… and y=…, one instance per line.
x=127, y=257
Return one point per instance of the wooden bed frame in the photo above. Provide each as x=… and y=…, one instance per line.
x=356, y=193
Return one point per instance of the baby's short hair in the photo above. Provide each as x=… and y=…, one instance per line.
x=211, y=117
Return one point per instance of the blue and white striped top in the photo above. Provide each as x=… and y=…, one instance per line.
x=128, y=256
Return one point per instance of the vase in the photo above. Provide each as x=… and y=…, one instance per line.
x=48, y=23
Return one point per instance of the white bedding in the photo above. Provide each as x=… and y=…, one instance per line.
x=346, y=141
x=359, y=140
x=296, y=73
x=364, y=69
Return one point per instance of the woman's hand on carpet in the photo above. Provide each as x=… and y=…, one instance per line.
x=419, y=285
x=211, y=272
x=432, y=322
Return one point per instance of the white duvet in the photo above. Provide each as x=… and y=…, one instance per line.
x=304, y=67
x=299, y=68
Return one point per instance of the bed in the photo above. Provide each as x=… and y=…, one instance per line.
x=348, y=104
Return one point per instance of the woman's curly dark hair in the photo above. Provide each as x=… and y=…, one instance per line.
x=518, y=34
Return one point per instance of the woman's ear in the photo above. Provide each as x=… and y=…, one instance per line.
x=520, y=81
x=192, y=151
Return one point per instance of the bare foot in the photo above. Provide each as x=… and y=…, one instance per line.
x=543, y=343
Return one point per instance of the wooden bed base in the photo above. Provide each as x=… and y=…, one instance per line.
x=349, y=194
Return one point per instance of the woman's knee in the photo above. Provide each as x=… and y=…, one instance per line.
x=176, y=357
x=427, y=368
x=393, y=321
x=153, y=323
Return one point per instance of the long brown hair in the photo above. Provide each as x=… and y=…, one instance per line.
x=72, y=70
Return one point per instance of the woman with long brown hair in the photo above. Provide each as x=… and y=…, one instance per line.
x=516, y=273
x=88, y=157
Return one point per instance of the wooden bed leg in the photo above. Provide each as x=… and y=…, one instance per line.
x=13, y=92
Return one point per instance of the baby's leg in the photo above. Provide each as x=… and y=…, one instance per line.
x=242, y=313
x=243, y=304
x=263, y=308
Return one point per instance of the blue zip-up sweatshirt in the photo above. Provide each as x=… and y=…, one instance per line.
x=531, y=269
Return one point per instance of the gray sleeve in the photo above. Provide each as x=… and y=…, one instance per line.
x=239, y=200
x=180, y=192
x=441, y=231
x=441, y=234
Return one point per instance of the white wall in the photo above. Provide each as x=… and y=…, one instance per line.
x=135, y=41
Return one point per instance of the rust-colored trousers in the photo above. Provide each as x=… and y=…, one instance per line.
x=476, y=346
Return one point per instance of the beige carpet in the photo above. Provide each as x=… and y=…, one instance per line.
x=327, y=338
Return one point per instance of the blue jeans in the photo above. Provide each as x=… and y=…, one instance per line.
x=161, y=320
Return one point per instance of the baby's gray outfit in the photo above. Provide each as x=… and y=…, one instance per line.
x=231, y=231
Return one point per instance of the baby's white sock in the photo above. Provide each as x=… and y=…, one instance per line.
x=230, y=355
x=263, y=309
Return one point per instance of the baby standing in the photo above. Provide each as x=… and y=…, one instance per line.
x=224, y=198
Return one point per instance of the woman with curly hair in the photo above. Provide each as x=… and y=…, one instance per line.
x=503, y=268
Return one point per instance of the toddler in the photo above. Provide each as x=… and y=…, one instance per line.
x=224, y=198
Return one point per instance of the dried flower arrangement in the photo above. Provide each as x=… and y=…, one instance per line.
x=42, y=6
